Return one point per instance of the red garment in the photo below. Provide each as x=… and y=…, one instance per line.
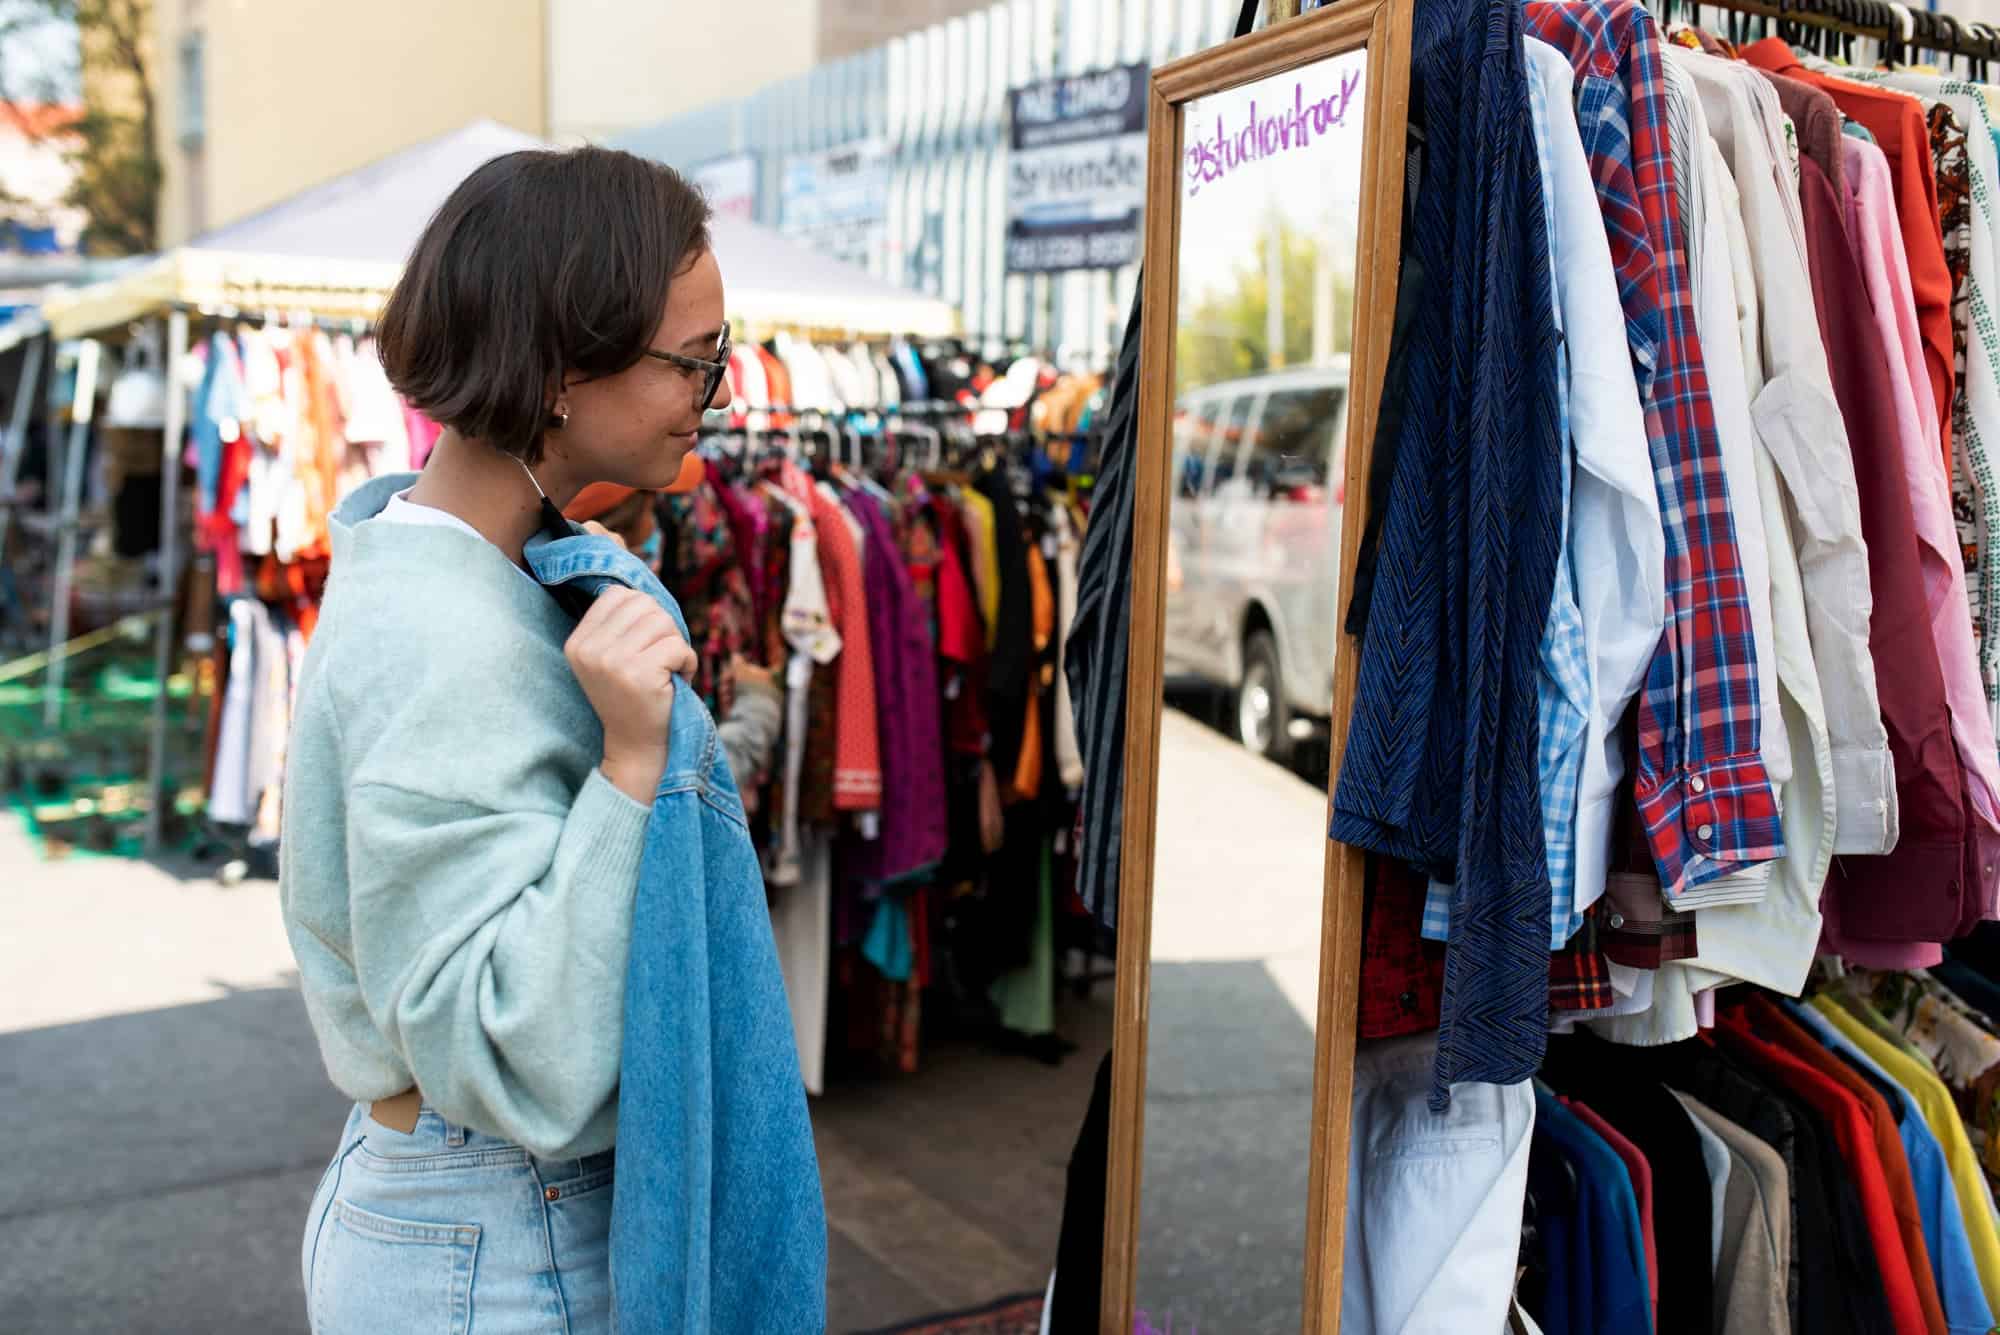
x=1402, y=975
x=1843, y=1112
x=1868, y=899
x=857, y=766
x=1897, y=122
x=217, y=531
x=1641, y=1171
x=961, y=637
x=1787, y=1033
x=1580, y=973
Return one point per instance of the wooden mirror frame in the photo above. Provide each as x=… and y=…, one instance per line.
x=1382, y=29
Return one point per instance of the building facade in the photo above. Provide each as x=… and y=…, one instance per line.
x=259, y=99
x=898, y=157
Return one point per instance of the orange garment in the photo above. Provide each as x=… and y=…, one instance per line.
x=1897, y=122
x=297, y=586
x=778, y=383
x=599, y=497
x=857, y=746
x=1028, y=769
x=1774, y=1024
x=318, y=443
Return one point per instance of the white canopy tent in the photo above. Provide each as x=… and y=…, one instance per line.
x=337, y=249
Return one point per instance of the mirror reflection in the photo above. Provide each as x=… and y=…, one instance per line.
x=1269, y=215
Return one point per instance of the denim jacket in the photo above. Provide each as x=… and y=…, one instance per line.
x=717, y=1219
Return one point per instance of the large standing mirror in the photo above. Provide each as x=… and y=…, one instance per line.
x=1274, y=191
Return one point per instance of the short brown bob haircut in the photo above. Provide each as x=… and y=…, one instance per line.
x=543, y=265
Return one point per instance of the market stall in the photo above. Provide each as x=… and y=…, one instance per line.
x=326, y=259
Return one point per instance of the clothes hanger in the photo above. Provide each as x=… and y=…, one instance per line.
x=1978, y=50
x=1897, y=50
x=1954, y=40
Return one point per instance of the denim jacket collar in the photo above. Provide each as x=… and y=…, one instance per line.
x=590, y=562
x=695, y=762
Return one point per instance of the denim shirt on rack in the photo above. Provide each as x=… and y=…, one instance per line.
x=718, y=1223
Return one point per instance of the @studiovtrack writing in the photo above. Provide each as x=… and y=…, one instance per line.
x=1217, y=152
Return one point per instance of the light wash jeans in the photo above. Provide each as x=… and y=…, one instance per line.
x=447, y=1231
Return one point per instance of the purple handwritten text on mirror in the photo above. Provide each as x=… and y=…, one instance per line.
x=1218, y=152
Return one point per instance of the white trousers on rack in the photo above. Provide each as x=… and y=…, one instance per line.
x=1433, y=1199
x=231, y=798
x=802, y=926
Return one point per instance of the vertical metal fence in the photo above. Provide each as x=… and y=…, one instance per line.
x=937, y=99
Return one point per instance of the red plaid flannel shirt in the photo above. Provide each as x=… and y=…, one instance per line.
x=1704, y=798
x=1402, y=975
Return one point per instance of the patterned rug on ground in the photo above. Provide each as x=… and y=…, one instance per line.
x=1020, y=1315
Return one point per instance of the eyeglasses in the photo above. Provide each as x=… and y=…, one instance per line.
x=712, y=371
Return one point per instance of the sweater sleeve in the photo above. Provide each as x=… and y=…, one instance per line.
x=490, y=950
x=751, y=732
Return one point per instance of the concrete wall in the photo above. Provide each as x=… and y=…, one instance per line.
x=618, y=64
x=850, y=26
x=298, y=91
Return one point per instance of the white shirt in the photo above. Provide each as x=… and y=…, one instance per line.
x=1799, y=424
x=1617, y=547
x=402, y=510
x=1773, y=940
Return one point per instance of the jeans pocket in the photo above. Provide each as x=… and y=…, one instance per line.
x=375, y=1274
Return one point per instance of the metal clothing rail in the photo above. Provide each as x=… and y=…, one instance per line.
x=1899, y=30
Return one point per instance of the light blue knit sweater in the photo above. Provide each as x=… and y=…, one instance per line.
x=457, y=877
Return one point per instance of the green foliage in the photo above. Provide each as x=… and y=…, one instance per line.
x=113, y=148
x=1225, y=334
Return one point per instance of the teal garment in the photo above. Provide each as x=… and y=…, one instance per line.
x=1027, y=996
x=887, y=945
x=1856, y=130
x=457, y=878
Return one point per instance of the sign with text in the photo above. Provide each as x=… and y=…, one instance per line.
x=1076, y=171
x=730, y=184
x=838, y=199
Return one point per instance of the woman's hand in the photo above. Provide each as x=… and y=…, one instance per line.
x=593, y=527
x=626, y=652
x=745, y=672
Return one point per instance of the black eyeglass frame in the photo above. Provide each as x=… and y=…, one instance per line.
x=714, y=370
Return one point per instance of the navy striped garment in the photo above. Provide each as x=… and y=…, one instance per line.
x=1441, y=765
x=1100, y=639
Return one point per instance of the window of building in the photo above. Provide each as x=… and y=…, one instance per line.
x=193, y=91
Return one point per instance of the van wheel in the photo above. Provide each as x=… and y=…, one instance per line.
x=1263, y=719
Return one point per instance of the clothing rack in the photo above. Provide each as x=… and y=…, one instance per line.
x=1899, y=30
x=295, y=319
